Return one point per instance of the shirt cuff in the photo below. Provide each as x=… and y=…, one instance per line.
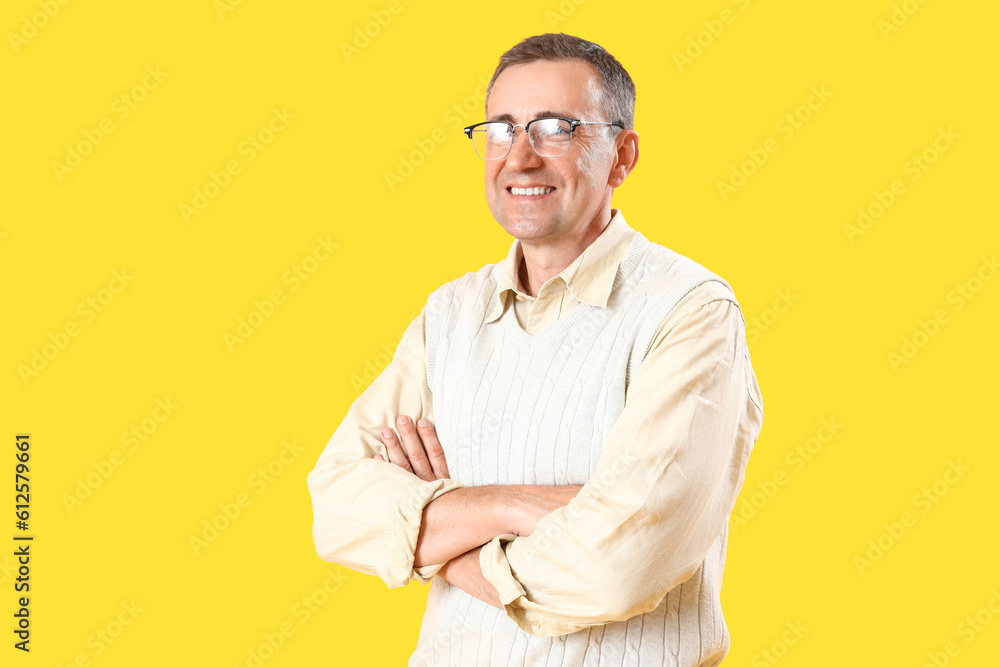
x=402, y=529
x=496, y=569
x=425, y=573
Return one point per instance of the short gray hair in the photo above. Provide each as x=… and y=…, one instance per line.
x=617, y=87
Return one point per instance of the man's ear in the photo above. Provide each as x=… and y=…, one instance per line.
x=626, y=156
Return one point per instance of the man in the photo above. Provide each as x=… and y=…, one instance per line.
x=573, y=422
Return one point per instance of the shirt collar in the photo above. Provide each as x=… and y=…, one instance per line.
x=590, y=277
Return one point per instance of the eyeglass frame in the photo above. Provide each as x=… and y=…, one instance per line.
x=573, y=124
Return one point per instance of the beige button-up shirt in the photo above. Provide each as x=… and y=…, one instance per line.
x=368, y=512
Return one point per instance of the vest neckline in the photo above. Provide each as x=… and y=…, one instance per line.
x=625, y=268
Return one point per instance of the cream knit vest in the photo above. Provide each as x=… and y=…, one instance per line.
x=511, y=408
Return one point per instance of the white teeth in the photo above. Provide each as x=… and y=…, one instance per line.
x=531, y=191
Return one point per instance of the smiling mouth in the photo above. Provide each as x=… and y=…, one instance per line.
x=531, y=193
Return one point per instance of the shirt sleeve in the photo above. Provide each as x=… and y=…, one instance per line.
x=663, y=489
x=367, y=513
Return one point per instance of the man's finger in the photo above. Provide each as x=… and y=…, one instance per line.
x=395, y=450
x=435, y=452
x=414, y=449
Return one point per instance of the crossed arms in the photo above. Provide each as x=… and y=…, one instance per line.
x=556, y=559
x=456, y=525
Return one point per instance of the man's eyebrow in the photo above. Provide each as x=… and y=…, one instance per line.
x=541, y=114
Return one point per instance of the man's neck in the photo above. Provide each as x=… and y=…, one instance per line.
x=540, y=262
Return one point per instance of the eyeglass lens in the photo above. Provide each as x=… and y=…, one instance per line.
x=550, y=137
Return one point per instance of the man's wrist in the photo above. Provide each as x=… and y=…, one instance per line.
x=471, y=516
x=521, y=506
x=510, y=508
x=502, y=508
x=465, y=572
x=494, y=506
x=460, y=520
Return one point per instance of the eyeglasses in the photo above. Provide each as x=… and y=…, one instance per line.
x=549, y=137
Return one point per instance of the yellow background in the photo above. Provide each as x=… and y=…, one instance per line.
x=356, y=116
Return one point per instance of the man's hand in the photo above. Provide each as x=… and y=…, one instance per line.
x=423, y=454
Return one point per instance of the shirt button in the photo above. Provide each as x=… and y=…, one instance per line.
x=534, y=625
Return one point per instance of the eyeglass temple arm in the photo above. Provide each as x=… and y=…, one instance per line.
x=577, y=123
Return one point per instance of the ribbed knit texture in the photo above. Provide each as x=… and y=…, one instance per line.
x=511, y=408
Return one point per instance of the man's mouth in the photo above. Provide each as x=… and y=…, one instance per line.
x=534, y=191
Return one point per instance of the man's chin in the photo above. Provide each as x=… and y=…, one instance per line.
x=526, y=226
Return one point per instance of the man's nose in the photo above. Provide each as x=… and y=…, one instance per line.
x=522, y=155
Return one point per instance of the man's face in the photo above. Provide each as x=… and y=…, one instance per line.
x=578, y=179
